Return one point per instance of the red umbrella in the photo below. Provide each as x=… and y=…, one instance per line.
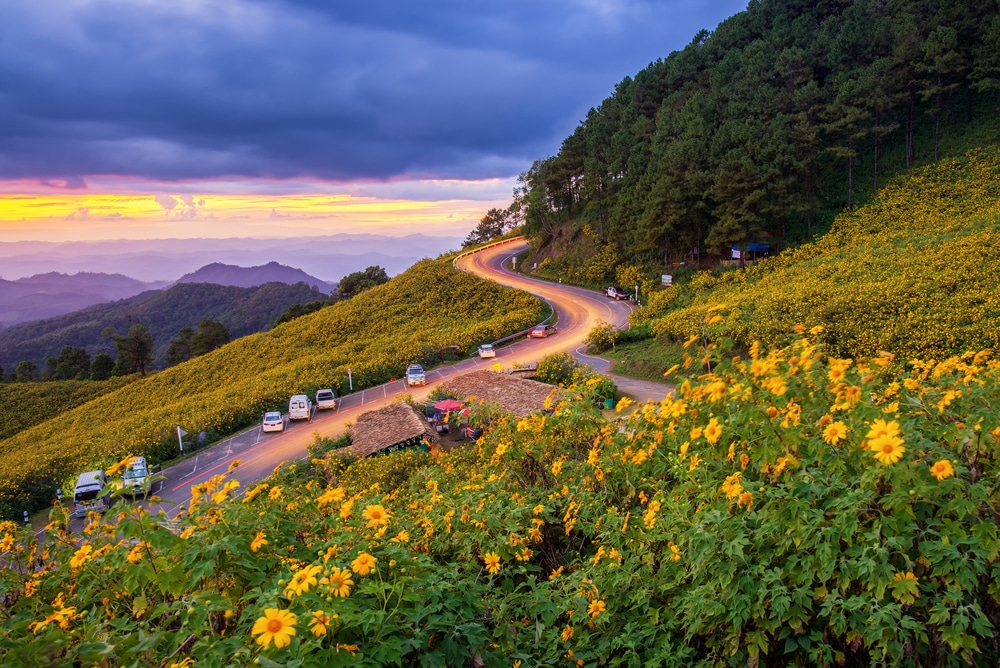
x=448, y=405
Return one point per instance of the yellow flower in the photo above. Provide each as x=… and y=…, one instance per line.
x=364, y=564
x=252, y=494
x=401, y=537
x=221, y=495
x=62, y=617
x=302, y=580
x=696, y=433
x=649, y=519
x=276, y=626
x=622, y=404
x=882, y=428
x=186, y=662
x=135, y=554
x=596, y=607
x=492, y=561
x=81, y=556
x=675, y=553
x=376, y=515
x=713, y=431
x=340, y=581
x=320, y=620
x=258, y=542
x=556, y=573
x=887, y=449
x=835, y=432
x=691, y=340
x=942, y=469
x=695, y=460
x=732, y=486
x=274, y=494
x=120, y=466
x=538, y=510
x=567, y=633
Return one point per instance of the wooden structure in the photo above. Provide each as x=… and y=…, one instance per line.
x=389, y=429
x=518, y=396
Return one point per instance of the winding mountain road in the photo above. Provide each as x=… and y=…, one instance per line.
x=577, y=310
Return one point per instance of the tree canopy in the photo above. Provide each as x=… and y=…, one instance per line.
x=786, y=114
x=359, y=281
x=135, y=349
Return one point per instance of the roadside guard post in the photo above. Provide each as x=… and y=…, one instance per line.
x=350, y=381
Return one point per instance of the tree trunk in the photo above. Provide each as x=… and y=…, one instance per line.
x=937, y=120
x=850, y=174
x=909, y=133
x=877, y=141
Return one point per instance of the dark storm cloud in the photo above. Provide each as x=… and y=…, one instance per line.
x=340, y=90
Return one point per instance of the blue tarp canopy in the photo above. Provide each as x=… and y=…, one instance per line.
x=755, y=248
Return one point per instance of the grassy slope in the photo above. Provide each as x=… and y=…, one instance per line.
x=916, y=272
x=376, y=334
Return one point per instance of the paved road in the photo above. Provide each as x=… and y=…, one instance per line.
x=577, y=311
x=578, y=306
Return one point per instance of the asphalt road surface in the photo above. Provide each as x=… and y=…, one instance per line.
x=577, y=311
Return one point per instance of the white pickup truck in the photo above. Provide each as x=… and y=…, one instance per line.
x=326, y=399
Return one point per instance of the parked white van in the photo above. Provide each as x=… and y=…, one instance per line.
x=87, y=495
x=299, y=407
x=326, y=399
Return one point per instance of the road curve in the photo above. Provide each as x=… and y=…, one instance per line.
x=577, y=311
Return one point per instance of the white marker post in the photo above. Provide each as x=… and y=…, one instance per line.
x=350, y=381
x=180, y=435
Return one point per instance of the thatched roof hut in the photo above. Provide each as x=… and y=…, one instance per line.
x=391, y=428
x=518, y=396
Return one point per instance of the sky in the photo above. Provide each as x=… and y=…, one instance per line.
x=147, y=119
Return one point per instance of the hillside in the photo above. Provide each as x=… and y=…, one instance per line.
x=916, y=272
x=46, y=295
x=164, y=312
x=250, y=277
x=761, y=517
x=762, y=131
x=419, y=312
x=23, y=405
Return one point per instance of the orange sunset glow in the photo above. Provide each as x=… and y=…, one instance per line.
x=69, y=216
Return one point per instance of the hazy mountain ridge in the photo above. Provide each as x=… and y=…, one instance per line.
x=248, y=277
x=242, y=310
x=327, y=257
x=54, y=293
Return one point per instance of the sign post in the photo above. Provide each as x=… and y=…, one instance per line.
x=180, y=436
x=350, y=381
x=666, y=280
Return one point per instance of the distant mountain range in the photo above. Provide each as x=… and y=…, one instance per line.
x=328, y=257
x=248, y=277
x=53, y=294
x=243, y=310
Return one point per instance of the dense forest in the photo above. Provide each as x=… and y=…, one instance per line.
x=164, y=312
x=764, y=129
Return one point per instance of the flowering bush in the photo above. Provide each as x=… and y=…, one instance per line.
x=788, y=508
x=916, y=272
x=23, y=405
